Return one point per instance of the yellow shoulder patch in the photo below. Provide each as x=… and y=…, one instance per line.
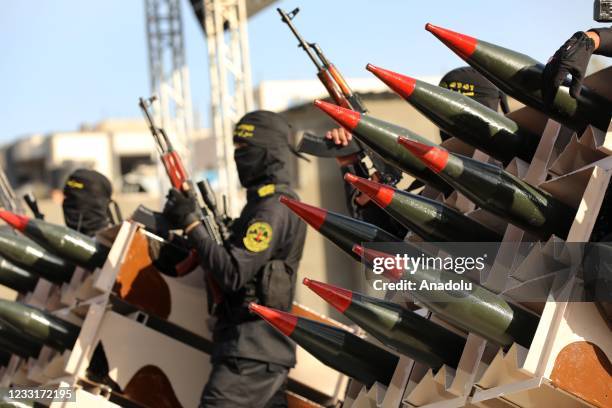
x=266, y=190
x=258, y=236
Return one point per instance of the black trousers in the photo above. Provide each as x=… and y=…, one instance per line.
x=244, y=383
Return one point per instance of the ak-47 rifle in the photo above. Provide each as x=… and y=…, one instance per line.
x=180, y=180
x=341, y=93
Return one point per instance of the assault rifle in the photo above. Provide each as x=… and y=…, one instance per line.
x=179, y=179
x=339, y=90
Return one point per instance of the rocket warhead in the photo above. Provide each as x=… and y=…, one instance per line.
x=346, y=118
x=341, y=230
x=14, y=342
x=314, y=216
x=473, y=309
x=463, y=117
x=71, y=245
x=367, y=256
x=283, y=321
x=38, y=325
x=339, y=298
x=498, y=191
x=401, y=84
x=394, y=326
x=381, y=137
x=521, y=77
x=333, y=346
x=434, y=157
x=16, y=278
x=463, y=45
x=430, y=219
x=27, y=254
x=379, y=193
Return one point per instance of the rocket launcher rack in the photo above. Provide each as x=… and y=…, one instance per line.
x=113, y=305
x=567, y=364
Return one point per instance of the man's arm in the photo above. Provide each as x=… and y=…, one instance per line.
x=237, y=263
x=572, y=58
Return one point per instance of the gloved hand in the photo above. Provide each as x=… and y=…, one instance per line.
x=180, y=209
x=572, y=58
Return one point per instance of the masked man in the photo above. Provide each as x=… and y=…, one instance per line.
x=258, y=264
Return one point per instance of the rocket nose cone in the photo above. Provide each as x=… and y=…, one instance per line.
x=462, y=44
x=345, y=117
x=401, y=84
x=392, y=273
x=339, y=298
x=350, y=177
x=314, y=216
x=376, y=191
x=433, y=157
x=284, y=322
x=16, y=221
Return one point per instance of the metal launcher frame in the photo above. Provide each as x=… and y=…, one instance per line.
x=169, y=74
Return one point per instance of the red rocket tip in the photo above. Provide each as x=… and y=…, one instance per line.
x=19, y=222
x=339, y=298
x=358, y=249
x=369, y=254
x=433, y=157
x=285, y=322
x=403, y=85
x=380, y=193
x=350, y=177
x=345, y=117
x=314, y=216
x=462, y=44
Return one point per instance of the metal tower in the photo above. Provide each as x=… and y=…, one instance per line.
x=225, y=26
x=169, y=74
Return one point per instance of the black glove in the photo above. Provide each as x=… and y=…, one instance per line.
x=572, y=58
x=180, y=209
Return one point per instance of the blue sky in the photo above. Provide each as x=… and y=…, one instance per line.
x=66, y=62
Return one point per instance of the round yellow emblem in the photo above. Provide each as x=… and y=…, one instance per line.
x=258, y=237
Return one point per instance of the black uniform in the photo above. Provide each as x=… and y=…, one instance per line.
x=258, y=264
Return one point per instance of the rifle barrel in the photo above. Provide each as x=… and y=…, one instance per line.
x=302, y=44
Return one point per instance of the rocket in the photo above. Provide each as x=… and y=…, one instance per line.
x=341, y=230
x=463, y=117
x=69, y=244
x=520, y=76
x=27, y=254
x=381, y=137
x=333, y=346
x=431, y=219
x=498, y=191
x=396, y=327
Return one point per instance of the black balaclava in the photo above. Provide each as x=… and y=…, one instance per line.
x=469, y=82
x=265, y=158
x=87, y=195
